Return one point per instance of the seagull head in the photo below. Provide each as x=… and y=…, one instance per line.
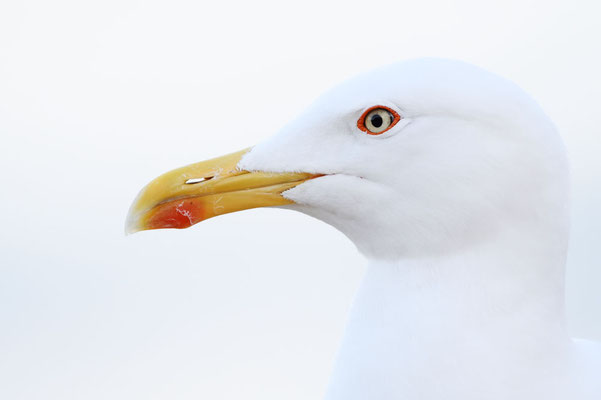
x=417, y=158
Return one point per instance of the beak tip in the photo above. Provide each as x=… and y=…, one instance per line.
x=130, y=228
x=132, y=223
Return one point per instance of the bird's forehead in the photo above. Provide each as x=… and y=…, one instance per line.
x=425, y=86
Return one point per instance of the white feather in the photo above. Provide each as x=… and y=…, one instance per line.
x=461, y=209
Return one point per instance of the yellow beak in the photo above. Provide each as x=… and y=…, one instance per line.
x=188, y=195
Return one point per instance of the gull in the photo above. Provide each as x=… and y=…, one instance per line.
x=453, y=183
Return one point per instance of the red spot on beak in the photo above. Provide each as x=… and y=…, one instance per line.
x=178, y=214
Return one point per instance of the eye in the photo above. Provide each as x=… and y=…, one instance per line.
x=377, y=120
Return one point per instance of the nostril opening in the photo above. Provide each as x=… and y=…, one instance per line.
x=198, y=180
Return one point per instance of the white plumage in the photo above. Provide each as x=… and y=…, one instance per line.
x=454, y=184
x=462, y=210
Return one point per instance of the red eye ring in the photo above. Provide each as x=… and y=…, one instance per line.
x=361, y=122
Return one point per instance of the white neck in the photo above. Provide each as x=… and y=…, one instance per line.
x=487, y=323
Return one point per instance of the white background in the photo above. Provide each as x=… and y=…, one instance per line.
x=97, y=98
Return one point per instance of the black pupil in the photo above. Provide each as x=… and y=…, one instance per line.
x=376, y=120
